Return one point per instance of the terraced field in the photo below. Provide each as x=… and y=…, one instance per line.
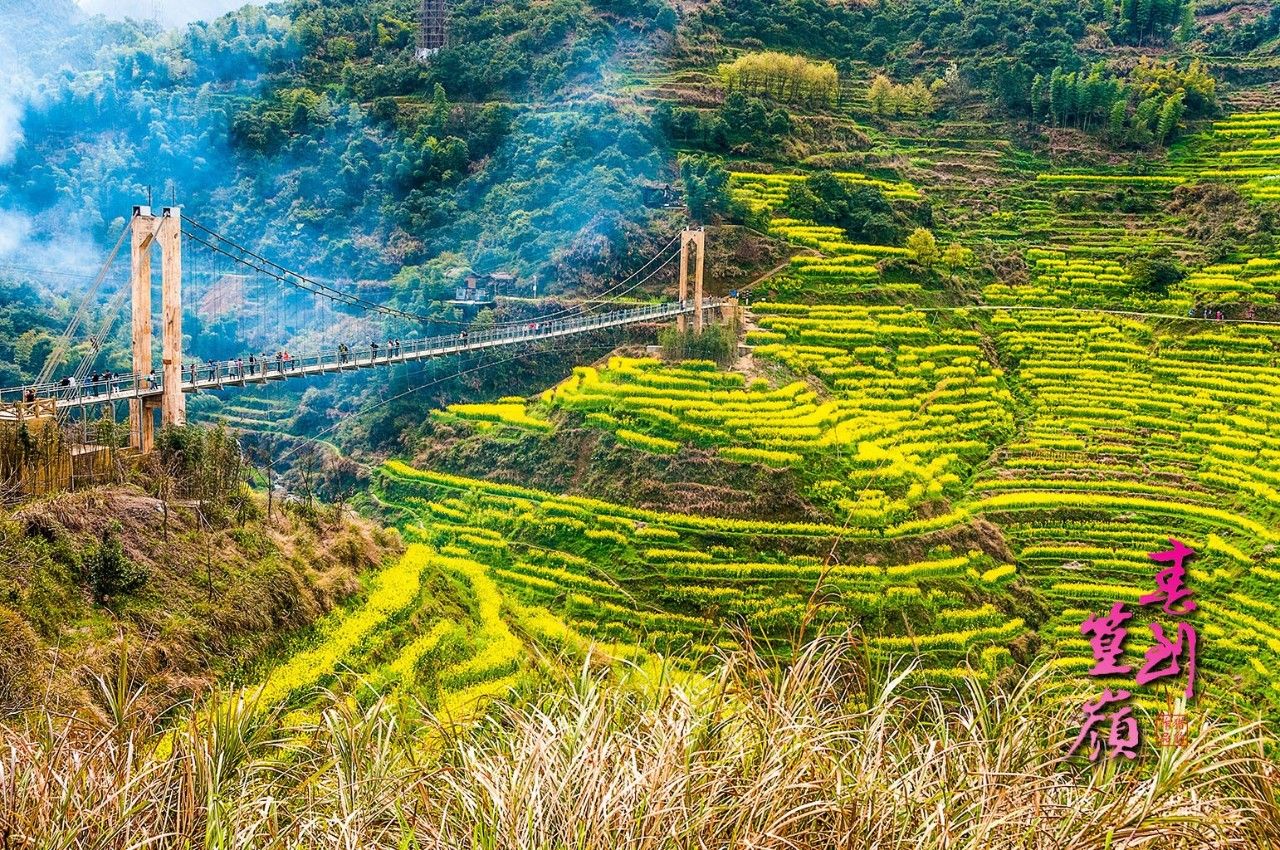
x=636, y=583
x=1135, y=435
x=250, y=412
x=1127, y=434
x=837, y=264
x=992, y=474
x=1088, y=440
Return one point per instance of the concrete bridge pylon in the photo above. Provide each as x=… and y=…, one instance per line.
x=149, y=229
x=692, y=242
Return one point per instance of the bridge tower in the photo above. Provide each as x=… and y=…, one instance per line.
x=695, y=242
x=149, y=229
x=431, y=29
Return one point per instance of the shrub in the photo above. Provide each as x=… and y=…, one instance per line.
x=923, y=247
x=109, y=571
x=1155, y=270
x=716, y=343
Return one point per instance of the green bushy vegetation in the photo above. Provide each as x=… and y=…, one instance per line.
x=1144, y=108
x=92, y=575
x=781, y=76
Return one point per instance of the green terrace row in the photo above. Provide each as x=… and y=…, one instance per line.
x=669, y=599
x=698, y=592
x=1135, y=435
x=1244, y=148
x=765, y=192
x=920, y=403
x=1082, y=570
x=404, y=641
x=899, y=411
x=842, y=265
x=1096, y=279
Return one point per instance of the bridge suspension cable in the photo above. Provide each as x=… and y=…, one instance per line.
x=442, y=379
x=600, y=299
x=220, y=244
x=63, y=345
x=219, y=374
x=261, y=264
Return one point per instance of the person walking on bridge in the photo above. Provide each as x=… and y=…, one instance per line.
x=253, y=365
x=29, y=396
x=280, y=362
x=373, y=351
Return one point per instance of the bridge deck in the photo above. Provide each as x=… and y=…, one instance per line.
x=16, y=402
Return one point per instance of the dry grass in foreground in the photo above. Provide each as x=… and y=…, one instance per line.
x=809, y=757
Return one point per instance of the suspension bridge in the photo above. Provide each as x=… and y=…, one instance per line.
x=268, y=316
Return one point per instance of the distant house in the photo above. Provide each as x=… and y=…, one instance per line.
x=661, y=195
x=483, y=288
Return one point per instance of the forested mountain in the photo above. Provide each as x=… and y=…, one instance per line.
x=311, y=115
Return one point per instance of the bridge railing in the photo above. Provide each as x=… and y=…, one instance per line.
x=200, y=377
x=21, y=411
x=220, y=373
x=118, y=387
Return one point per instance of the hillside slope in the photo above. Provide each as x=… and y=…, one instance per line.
x=87, y=576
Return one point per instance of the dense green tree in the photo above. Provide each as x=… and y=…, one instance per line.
x=706, y=186
x=781, y=76
x=1144, y=21
x=1142, y=108
x=1170, y=115
x=1154, y=270
x=860, y=209
x=1039, y=97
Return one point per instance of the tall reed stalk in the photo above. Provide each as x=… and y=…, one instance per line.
x=825, y=753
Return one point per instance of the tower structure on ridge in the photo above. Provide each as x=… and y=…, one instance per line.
x=431, y=29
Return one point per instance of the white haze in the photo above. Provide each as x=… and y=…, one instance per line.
x=14, y=84
x=168, y=13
